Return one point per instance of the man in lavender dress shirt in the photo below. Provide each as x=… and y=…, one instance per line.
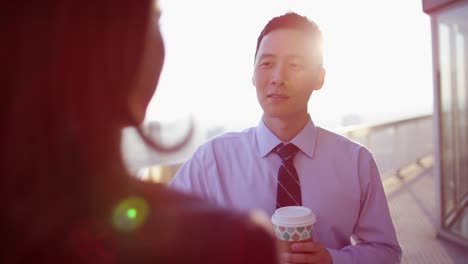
x=339, y=178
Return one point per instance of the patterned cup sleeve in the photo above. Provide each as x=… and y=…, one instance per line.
x=293, y=233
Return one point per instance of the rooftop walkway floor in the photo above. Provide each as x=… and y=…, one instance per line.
x=413, y=206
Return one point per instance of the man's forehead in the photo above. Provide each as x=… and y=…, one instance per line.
x=288, y=37
x=289, y=42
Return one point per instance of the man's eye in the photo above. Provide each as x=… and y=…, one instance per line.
x=266, y=64
x=296, y=65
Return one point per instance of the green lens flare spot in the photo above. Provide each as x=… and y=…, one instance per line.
x=130, y=214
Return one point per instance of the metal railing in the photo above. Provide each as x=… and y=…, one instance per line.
x=394, y=145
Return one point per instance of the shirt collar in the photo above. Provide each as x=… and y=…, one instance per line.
x=305, y=140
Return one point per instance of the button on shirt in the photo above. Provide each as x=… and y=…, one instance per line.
x=340, y=183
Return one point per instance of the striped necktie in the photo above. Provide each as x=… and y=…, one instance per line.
x=289, y=188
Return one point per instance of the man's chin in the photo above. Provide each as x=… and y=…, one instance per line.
x=276, y=115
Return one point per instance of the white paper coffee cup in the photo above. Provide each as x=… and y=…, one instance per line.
x=293, y=223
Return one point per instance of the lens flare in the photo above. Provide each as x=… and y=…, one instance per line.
x=130, y=214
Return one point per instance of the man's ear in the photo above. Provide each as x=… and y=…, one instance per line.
x=320, y=79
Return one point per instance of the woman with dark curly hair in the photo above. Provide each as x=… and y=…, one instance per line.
x=74, y=74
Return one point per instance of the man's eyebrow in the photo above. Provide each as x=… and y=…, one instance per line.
x=295, y=56
x=265, y=55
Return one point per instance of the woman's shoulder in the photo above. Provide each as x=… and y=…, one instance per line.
x=190, y=229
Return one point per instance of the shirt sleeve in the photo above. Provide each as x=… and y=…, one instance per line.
x=374, y=233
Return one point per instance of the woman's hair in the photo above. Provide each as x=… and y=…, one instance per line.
x=68, y=69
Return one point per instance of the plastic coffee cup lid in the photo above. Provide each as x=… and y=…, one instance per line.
x=293, y=216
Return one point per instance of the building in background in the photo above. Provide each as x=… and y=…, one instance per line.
x=449, y=23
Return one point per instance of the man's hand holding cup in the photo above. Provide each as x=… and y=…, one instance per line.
x=293, y=227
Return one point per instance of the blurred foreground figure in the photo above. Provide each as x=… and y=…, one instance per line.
x=74, y=74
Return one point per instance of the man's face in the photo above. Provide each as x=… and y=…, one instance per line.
x=286, y=73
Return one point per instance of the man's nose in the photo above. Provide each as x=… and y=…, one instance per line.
x=279, y=76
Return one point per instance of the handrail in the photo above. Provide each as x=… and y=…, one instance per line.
x=366, y=128
x=394, y=144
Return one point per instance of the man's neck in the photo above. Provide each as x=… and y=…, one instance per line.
x=286, y=128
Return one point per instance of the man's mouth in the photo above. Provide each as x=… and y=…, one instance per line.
x=278, y=96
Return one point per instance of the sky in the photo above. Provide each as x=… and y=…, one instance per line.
x=377, y=54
